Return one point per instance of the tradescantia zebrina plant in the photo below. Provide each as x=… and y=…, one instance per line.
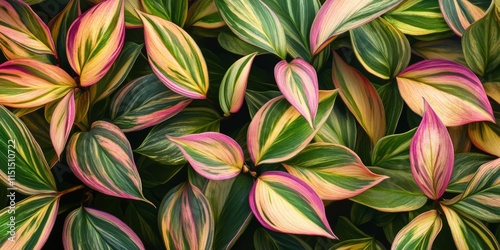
x=250, y=124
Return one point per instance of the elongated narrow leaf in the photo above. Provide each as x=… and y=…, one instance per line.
x=62, y=122
x=59, y=27
x=284, y=203
x=171, y=10
x=382, y=49
x=468, y=232
x=132, y=18
x=298, y=82
x=360, y=97
x=28, y=224
x=278, y=131
x=333, y=171
x=28, y=83
x=446, y=49
x=93, y=229
x=255, y=23
x=340, y=127
x=234, y=84
x=455, y=93
x=145, y=102
x=185, y=219
x=480, y=198
x=431, y=155
x=91, y=52
x=24, y=166
x=175, y=57
x=338, y=16
x=22, y=33
x=213, y=155
x=460, y=14
x=204, y=14
x=420, y=233
x=102, y=159
x=486, y=135
x=480, y=44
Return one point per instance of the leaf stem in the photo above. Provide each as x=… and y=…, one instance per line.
x=69, y=190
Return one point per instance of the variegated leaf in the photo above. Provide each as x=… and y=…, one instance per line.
x=185, y=219
x=268, y=240
x=298, y=82
x=102, y=159
x=358, y=243
x=171, y=10
x=446, y=49
x=255, y=23
x=278, y=131
x=493, y=90
x=24, y=166
x=393, y=105
x=28, y=83
x=213, y=155
x=234, y=84
x=62, y=121
x=338, y=16
x=91, y=52
x=360, y=97
x=132, y=18
x=392, y=151
x=460, y=138
x=420, y=233
x=284, y=203
x=256, y=99
x=455, y=93
x=340, y=127
x=88, y=228
x=466, y=165
x=468, y=232
x=460, y=14
x=175, y=57
x=334, y=172
x=235, y=45
x=204, y=14
x=28, y=224
x=40, y=129
x=486, y=135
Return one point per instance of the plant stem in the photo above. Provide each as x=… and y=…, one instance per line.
x=69, y=190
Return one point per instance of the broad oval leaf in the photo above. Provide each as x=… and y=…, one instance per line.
x=431, y=155
x=277, y=132
x=361, y=98
x=284, y=203
x=455, y=92
x=171, y=10
x=28, y=83
x=102, y=159
x=486, y=135
x=213, y=155
x=204, y=14
x=91, y=52
x=234, y=84
x=28, y=224
x=145, y=102
x=446, y=49
x=62, y=121
x=334, y=172
x=460, y=14
x=420, y=233
x=338, y=16
x=255, y=23
x=175, y=57
x=88, y=228
x=185, y=219
x=382, y=49
x=24, y=166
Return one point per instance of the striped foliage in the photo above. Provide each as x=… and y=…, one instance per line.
x=185, y=219
x=480, y=198
x=91, y=52
x=340, y=128
x=28, y=83
x=277, y=132
x=102, y=159
x=82, y=105
x=132, y=18
x=234, y=44
x=460, y=139
x=431, y=155
x=284, y=203
x=468, y=232
x=393, y=105
x=59, y=26
x=358, y=243
x=269, y=240
x=334, y=172
x=493, y=90
x=417, y=17
x=420, y=233
x=175, y=57
x=24, y=165
x=255, y=23
x=460, y=14
x=62, y=121
x=455, y=93
x=298, y=82
x=88, y=228
x=338, y=16
x=466, y=165
x=40, y=129
x=234, y=84
x=446, y=49
x=256, y=99
x=204, y=14
x=145, y=102
x=174, y=11
x=486, y=136
x=360, y=97
x=213, y=155
x=33, y=219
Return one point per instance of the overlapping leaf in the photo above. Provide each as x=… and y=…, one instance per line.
x=392, y=151
x=340, y=128
x=59, y=27
x=493, y=90
x=233, y=44
x=91, y=52
x=486, y=135
x=40, y=129
x=171, y=10
x=460, y=138
x=268, y=240
x=446, y=49
x=89, y=228
x=420, y=233
x=466, y=165
x=132, y=18
x=460, y=14
x=204, y=14
x=284, y=203
x=175, y=57
x=393, y=105
x=256, y=99
x=455, y=93
x=62, y=121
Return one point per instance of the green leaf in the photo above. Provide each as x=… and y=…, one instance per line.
x=267, y=240
x=235, y=45
x=154, y=174
x=172, y=10
x=362, y=243
x=393, y=105
x=447, y=49
x=340, y=127
x=346, y=230
x=420, y=233
x=256, y=99
x=40, y=130
x=393, y=151
x=460, y=14
x=466, y=165
x=204, y=14
x=143, y=219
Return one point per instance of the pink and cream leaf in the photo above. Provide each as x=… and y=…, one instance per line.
x=460, y=14
x=420, y=233
x=62, y=121
x=204, y=14
x=486, y=135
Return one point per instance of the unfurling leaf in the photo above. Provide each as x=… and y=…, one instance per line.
x=62, y=121
x=431, y=155
x=284, y=203
x=420, y=233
